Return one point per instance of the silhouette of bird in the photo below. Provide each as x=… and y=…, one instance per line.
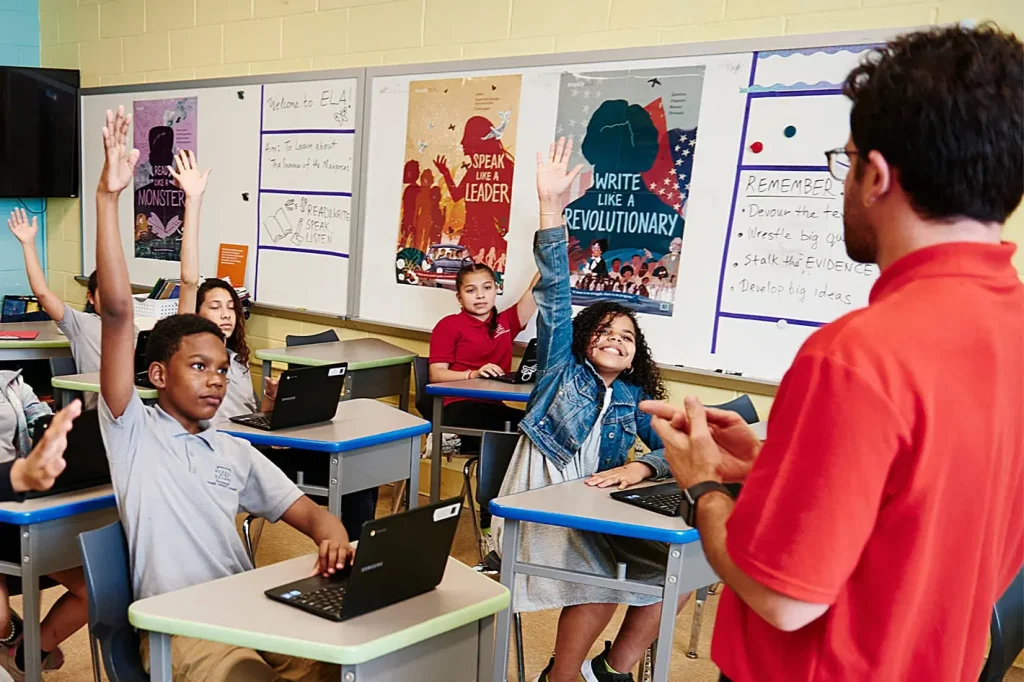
x=654, y=82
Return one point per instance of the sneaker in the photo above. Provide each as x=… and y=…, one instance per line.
x=595, y=669
x=451, y=444
x=488, y=542
x=8, y=662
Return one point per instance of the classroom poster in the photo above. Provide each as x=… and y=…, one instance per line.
x=636, y=134
x=162, y=127
x=457, y=178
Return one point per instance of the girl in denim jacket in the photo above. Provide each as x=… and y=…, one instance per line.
x=581, y=422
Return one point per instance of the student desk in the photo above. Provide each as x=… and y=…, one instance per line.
x=369, y=443
x=69, y=384
x=49, y=344
x=479, y=389
x=49, y=528
x=378, y=369
x=576, y=505
x=445, y=634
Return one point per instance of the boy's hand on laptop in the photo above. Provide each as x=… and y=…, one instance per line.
x=39, y=471
x=335, y=554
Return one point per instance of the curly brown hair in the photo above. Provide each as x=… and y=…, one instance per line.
x=593, y=321
x=236, y=341
x=945, y=106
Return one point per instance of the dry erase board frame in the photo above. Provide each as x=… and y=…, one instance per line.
x=209, y=238
x=441, y=303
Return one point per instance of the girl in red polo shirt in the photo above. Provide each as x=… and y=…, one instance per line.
x=477, y=343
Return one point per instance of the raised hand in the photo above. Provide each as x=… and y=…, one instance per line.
x=553, y=176
x=441, y=163
x=45, y=463
x=187, y=175
x=23, y=230
x=119, y=165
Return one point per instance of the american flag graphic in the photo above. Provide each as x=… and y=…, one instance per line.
x=669, y=177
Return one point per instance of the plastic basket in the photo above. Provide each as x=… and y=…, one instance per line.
x=148, y=307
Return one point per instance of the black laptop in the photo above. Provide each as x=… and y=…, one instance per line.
x=141, y=367
x=305, y=396
x=664, y=498
x=527, y=372
x=385, y=572
x=85, y=456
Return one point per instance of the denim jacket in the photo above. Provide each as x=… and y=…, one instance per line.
x=569, y=393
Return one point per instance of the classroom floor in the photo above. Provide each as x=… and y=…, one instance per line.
x=280, y=542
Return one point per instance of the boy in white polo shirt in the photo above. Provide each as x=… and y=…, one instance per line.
x=179, y=482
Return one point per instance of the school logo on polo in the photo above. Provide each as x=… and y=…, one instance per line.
x=499, y=330
x=222, y=477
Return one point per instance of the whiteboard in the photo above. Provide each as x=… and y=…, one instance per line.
x=285, y=171
x=732, y=308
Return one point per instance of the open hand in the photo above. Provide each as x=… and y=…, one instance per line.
x=623, y=476
x=553, y=178
x=119, y=165
x=441, y=163
x=737, y=444
x=488, y=371
x=334, y=555
x=187, y=175
x=23, y=231
x=45, y=463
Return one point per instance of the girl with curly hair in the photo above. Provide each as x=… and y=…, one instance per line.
x=582, y=421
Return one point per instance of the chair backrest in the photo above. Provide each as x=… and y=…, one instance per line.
x=496, y=451
x=109, y=584
x=62, y=367
x=1007, y=630
x=421, y=375
x=744, y=406
x=326, y=336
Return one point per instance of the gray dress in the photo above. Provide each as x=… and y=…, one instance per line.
x=569, y=548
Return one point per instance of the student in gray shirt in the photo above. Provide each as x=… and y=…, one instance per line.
x=179, y=483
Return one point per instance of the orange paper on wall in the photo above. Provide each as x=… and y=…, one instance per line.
x=231, y=259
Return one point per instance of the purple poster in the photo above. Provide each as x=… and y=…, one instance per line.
x=162, y=127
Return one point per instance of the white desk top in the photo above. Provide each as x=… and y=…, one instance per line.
x=234, y=610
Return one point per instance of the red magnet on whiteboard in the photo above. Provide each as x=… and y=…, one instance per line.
x=757, y=147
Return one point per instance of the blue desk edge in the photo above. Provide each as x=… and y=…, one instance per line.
x=49, y=514
x=479, y=394
x=673, y=537
x=269, y=438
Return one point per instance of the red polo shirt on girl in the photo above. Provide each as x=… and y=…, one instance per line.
x=466, y=343
x=891, y=485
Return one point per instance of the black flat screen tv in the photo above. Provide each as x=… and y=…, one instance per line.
x=39, y=145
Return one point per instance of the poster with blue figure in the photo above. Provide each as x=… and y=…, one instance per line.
x=626, y=211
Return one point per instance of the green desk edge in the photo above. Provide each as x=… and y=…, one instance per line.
x=33, y=344
x=86, y=387
x=274, y=355
x=340, y=654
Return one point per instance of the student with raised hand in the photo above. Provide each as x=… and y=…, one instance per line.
x=170, y=466
x=38, y=470
x=477, y=343
x=582, y=420
x=216, y=300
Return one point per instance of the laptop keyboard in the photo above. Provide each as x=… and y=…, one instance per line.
x=326, y=601
x=260, y=421
x=667, y=504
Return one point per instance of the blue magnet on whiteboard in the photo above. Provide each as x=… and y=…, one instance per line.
x=781, y=324
x=790, y=131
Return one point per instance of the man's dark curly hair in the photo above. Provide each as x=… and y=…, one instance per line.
x=945, y=107
x=593, y=321
x=165, y=339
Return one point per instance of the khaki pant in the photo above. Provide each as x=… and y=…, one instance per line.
x=197, y=660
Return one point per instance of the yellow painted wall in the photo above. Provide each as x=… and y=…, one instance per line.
x=117, y=42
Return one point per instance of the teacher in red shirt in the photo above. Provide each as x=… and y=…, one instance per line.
x=884, y=514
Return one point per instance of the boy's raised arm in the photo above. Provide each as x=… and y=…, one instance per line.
x=25, y=233
x=192, y=181
x=117, y=370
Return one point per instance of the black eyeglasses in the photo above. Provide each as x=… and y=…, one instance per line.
x=839, y=162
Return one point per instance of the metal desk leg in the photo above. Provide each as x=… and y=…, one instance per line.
x=268, y=369
x=485, y=649
x=159, y=657
x=403, y=397
x=413, y=489
x=30, y=592
x=698, y=616
x=435, y=450
x=334, y=487
x=503, y=620
x=669, y=604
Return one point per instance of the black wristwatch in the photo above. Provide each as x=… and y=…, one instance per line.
x=688, y=506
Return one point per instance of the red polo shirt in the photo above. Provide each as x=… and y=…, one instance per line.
x=466, y=343
x=891, y=485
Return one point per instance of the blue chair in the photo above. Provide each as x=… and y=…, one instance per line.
x=62, y=367
x=1007, y=631
x=109, y=584
x=744, y=407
